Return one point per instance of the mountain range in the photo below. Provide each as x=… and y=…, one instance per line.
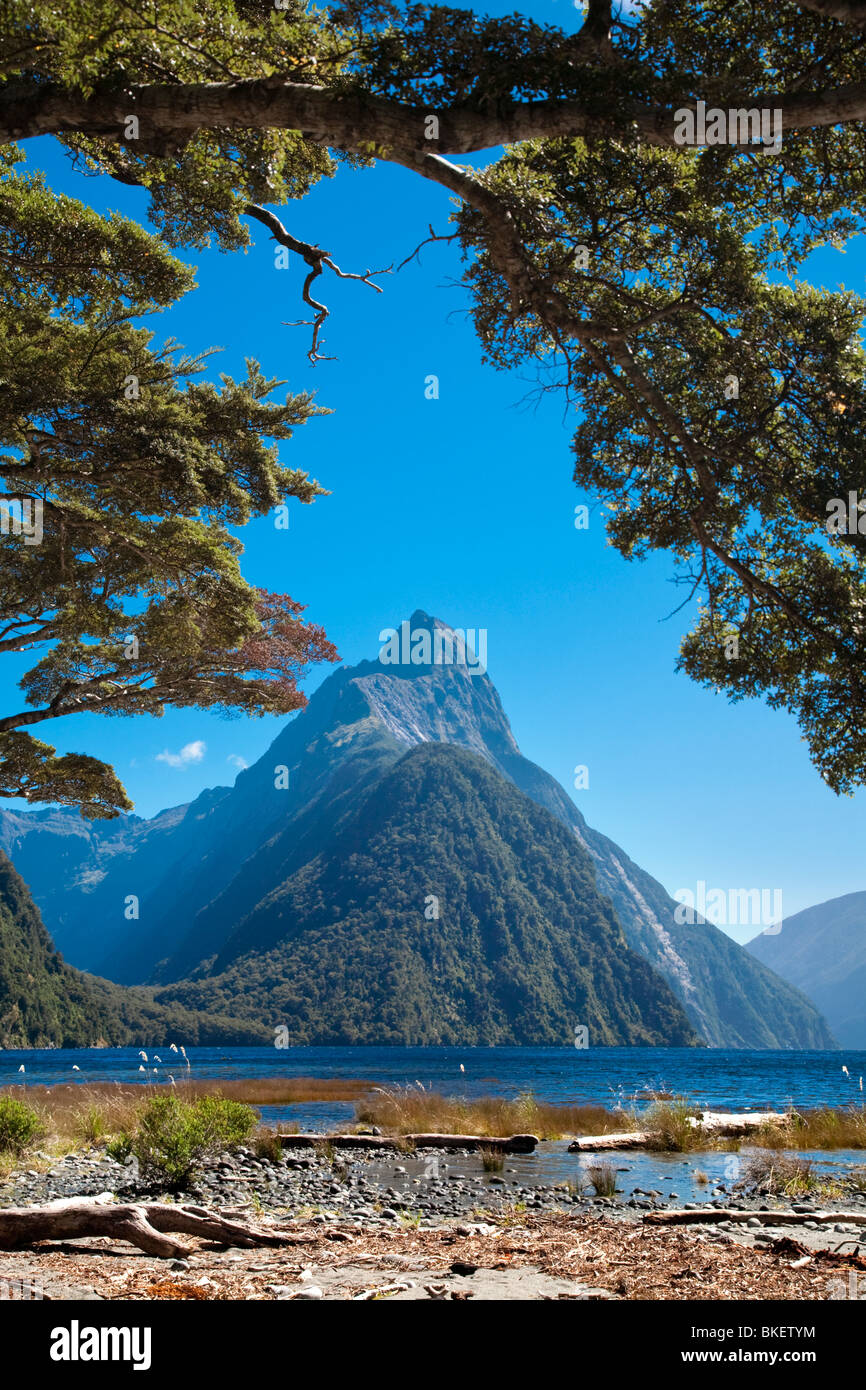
x=46, y=1003
x=823, y=950
x=299, y=894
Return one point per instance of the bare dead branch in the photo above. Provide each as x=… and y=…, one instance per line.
x=316, y=257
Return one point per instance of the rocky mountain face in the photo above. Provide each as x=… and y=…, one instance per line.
x=201, y=871
x=822, y=951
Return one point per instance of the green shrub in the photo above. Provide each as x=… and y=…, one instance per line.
x=20, y=1125
x=120, y=1147
x=173, y=1136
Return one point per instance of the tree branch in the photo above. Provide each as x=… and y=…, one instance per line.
x=315, y=257
x=851, y=12
x=357, y=121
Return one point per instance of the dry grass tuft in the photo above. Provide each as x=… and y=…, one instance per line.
x=821, y=1128
x=784, y=1175
x=411, y=1109
x=603, y=1178
x=93, y=1112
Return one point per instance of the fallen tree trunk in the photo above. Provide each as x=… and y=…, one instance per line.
x=513, y=1144
x=680, y=1217
x=629, y=1139
x=141, y=1223
x=510, y=1144
x=711, y=1123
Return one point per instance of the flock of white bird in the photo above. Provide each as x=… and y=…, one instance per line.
x=173, y=1047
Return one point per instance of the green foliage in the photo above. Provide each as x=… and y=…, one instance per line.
x=20, y=1125
x=198, y=186
x=173, y=1136
x=119, y=1147
x=691, y=281
x=680, y=297
x=133, y=595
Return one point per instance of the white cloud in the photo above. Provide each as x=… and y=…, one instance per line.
x=190, y=753
x=237, y=761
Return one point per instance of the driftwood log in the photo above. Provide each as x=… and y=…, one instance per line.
x=511, y=1144
x=680, y=1217
x=711, y=1123
x=141, y=1223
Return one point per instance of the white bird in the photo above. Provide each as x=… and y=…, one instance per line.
x=21, y=1068
x=157, y=1059
x=75, y=1068
x=462, y=1068
x=845, y=1070
x=171, y=1079
x=141, y=1069
x=144, y=1055
x=155, y=1070
x=173, y=1047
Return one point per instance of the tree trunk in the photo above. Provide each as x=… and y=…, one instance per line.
x=141, y=1223
x=511, y=1144
x=711, y=1123
x=767, y=1218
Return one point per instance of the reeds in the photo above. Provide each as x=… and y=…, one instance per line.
x=784, y=1175
x=492, y=1160
x=821, y=1128
x=412, y=1109
x=670, y=1125
x=603, y=1178
x=91, y=1112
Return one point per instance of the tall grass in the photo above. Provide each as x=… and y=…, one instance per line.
x=92, y=1112
x=492, y=1160
x=670, y=1126
x=784, y=1175
x=820, y=1128
x=603, y=1178
x=412, y=1109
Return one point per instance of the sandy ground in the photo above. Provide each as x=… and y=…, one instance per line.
x=526, y=1257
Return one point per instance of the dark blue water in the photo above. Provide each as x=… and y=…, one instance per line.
x=716, y=1079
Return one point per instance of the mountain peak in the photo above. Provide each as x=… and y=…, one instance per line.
x=429, y=684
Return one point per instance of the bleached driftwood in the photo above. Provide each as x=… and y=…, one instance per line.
x=141, y=1223
x=712, y=1123
x=629, y=1139
x=513, y=1143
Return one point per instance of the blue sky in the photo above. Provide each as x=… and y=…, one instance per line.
x=464, y=506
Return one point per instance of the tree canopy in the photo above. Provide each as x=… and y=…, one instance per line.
x=658, y=284
x=129, y=588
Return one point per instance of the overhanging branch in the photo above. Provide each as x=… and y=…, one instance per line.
x=316, y=257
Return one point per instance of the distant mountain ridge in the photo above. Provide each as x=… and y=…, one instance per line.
x=46, y=1003
x=201, y=871
x=822, y=951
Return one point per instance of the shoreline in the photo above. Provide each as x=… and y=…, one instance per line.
x=353, y=1231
